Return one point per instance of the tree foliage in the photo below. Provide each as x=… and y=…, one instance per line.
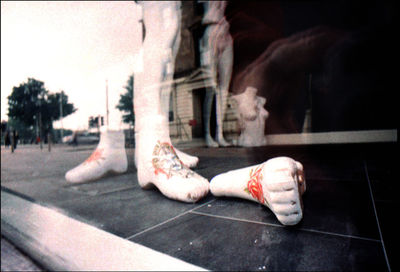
x=24, y=132
x=125, y=103
x=30, y=100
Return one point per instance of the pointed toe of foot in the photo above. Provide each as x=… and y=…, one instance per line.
x=72, y=177
x=290, y=220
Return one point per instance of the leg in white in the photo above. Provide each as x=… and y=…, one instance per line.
x=157, y=162
x=168, y=76
x=207, y=107
x=216, y=55
x=224, y=68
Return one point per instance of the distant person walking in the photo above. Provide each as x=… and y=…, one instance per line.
x=7, y=139
x=15, y=138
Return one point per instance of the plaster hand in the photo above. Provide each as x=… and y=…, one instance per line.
x=109, y=156
x=277, y=183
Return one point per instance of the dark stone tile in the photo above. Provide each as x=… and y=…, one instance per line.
x=386, y=211
x=127, y=212
x=383, y=177
x=320, y=162
x=332, y=169
x=221, y=244
x=381, y=168
x=385, y=190
x=342, y=207
x=209, y=167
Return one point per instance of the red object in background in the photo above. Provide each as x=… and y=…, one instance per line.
x=193, y=122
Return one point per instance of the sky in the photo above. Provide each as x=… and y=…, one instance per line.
x=74, y=46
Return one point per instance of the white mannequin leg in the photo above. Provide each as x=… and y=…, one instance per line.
x=217, y=54
x=169, y=68
x=188, y=160
x=277, y=183
x=221, y=98
x=224, y=66
x=157, y=162
x=207, y=108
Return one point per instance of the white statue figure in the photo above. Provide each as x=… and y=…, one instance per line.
x=157, y=162
x=277, y=183
x=251, y=116
x=216, y=48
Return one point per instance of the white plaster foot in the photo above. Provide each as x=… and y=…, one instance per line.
x=109, y=156
x=188, y=160
x=277, y=183
x=210, y=142
x=159, y=165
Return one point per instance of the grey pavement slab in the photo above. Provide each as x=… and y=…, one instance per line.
x=226, y=244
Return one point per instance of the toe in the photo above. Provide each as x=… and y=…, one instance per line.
x=285, y=197
x=72, y=176
x=286, y=209
x=290, y=219
x=287, y=185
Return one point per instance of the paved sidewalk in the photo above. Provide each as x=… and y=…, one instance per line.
x=345, y=226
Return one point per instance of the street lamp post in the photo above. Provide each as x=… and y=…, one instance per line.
x=40, y=128
x=107, y=112
x=61, y=115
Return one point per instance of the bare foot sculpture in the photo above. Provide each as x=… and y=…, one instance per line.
x=277, y=183
x=108, y=157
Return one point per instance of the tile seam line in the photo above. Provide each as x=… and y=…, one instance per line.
x=168, y=220
x=282, y=226
x=376, y=215
x=112, y=191
x=84, y=195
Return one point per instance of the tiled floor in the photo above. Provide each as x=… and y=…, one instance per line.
x=347, y=224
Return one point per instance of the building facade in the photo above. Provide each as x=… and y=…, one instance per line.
x=190, y=83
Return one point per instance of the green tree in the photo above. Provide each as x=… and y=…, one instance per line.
x=125, y=103
x=24, y=132
x=31, y=104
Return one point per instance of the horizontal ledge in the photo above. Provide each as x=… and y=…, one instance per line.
x=59, y=242
x=336, y=137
